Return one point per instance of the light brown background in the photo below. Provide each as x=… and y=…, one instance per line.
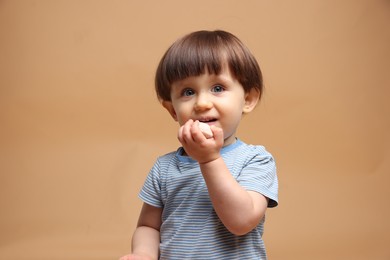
x=81, y=127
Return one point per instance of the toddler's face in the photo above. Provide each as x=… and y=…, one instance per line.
x=217, y=100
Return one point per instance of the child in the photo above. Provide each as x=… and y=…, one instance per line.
x=208, y=199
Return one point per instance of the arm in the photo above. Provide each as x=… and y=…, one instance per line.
x=146, y=237
x=238, y=209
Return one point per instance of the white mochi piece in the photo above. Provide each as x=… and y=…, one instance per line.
x=205, y=128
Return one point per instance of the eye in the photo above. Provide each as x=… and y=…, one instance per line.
x=218, y=88
x=188, y=92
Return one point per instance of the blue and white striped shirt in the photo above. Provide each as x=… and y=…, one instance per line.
x=190, y=227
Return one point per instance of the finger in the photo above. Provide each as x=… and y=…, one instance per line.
x=180, y=134
x=186, y=132
x=217, y=133
x=196, y=133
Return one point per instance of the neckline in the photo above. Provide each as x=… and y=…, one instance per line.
x=224, y=150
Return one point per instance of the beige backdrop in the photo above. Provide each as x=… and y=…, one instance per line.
x=81, y=127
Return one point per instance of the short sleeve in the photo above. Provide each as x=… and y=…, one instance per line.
x=151, y=190
x=259, y=174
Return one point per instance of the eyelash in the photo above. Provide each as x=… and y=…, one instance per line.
x=220, y=87
x=186, y=91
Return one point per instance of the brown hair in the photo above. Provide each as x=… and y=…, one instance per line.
x=201, y=51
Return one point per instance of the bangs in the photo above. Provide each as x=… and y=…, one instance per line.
x=193, y=58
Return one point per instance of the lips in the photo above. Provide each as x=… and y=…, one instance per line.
x=207, y=120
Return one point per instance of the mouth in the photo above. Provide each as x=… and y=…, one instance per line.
x=207, y=120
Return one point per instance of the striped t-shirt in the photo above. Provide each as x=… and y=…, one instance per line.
x=190, y=227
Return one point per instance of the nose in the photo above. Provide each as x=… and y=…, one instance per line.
x=203, y=103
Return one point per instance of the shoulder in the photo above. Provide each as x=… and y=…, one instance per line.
x=168, y=157
x=163, y=162
x=250, y=150
x=258, y=172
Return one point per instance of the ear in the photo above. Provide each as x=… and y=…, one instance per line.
x=168, y=106
x=251, y=99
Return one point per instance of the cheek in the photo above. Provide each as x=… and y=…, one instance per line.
x=233, y=115
x=182, y=115
x=234, y=108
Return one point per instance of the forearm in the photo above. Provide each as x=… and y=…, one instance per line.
x=146, y=242
x=238, y=209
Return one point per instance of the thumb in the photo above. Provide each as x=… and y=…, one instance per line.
x=217, y=132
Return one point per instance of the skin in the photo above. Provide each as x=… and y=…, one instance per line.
x=220, y=101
